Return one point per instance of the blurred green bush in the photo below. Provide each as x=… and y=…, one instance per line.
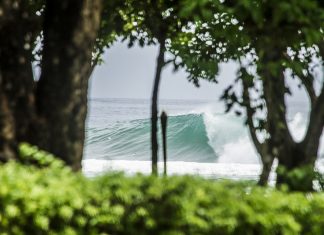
x=54, y=200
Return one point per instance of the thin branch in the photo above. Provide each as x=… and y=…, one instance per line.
x=93, y=65
x=308, y=84
x=316, y=119
x=316, y=125
x=250, y=112
x=169, y=61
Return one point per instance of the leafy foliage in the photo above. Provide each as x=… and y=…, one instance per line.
x=54, y=200
x=151, y=22
x=267, y=39
x=32, y=155
x=300, y=177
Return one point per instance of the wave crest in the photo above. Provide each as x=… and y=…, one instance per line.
x=193, y=137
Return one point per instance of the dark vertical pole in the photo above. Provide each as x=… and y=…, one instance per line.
x=164, y=121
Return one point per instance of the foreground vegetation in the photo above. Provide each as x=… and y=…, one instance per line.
x=52, y=199
x=271, y=42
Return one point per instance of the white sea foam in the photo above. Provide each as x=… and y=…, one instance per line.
x=241, y=151
x=93, y=167
x=230, y=139
x=235, y=171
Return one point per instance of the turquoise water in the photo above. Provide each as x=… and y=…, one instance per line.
x=201, y=138
x=119, y=129
x=187, y=139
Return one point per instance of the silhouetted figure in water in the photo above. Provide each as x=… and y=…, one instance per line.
x=164, y=122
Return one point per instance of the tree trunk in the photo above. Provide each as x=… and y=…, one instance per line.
x=291, y=155
x=298, y=172
x=267, y=162
x=262, y=148
x=18, y=30
x=154, y=107
x=18, y=86
x=8, y=144
x=70, y=29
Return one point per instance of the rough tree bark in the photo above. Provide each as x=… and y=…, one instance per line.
x=316, y=117
x=70, y=29
x=160, y=61
x=18, y=29
x=8, y=147
x=293, y=155
x=290, y=154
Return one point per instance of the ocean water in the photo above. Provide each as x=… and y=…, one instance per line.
x=201, y=139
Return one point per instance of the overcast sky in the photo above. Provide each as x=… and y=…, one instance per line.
x=128, y=73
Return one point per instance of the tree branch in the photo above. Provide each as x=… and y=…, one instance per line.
x=93, y=66
x=250, y=113
x=315, y=126
x=274, y=95
x=266, y=157
x=168, y=61
x=308, y=84
x=316, y=119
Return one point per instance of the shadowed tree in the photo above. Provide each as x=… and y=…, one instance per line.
x=268, y=38
x=275, y=30
x=19, y=27
x=50, y=112
x=61, y=96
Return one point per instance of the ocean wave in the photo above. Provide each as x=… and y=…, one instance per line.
x=194, y=137
x=186, y=137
